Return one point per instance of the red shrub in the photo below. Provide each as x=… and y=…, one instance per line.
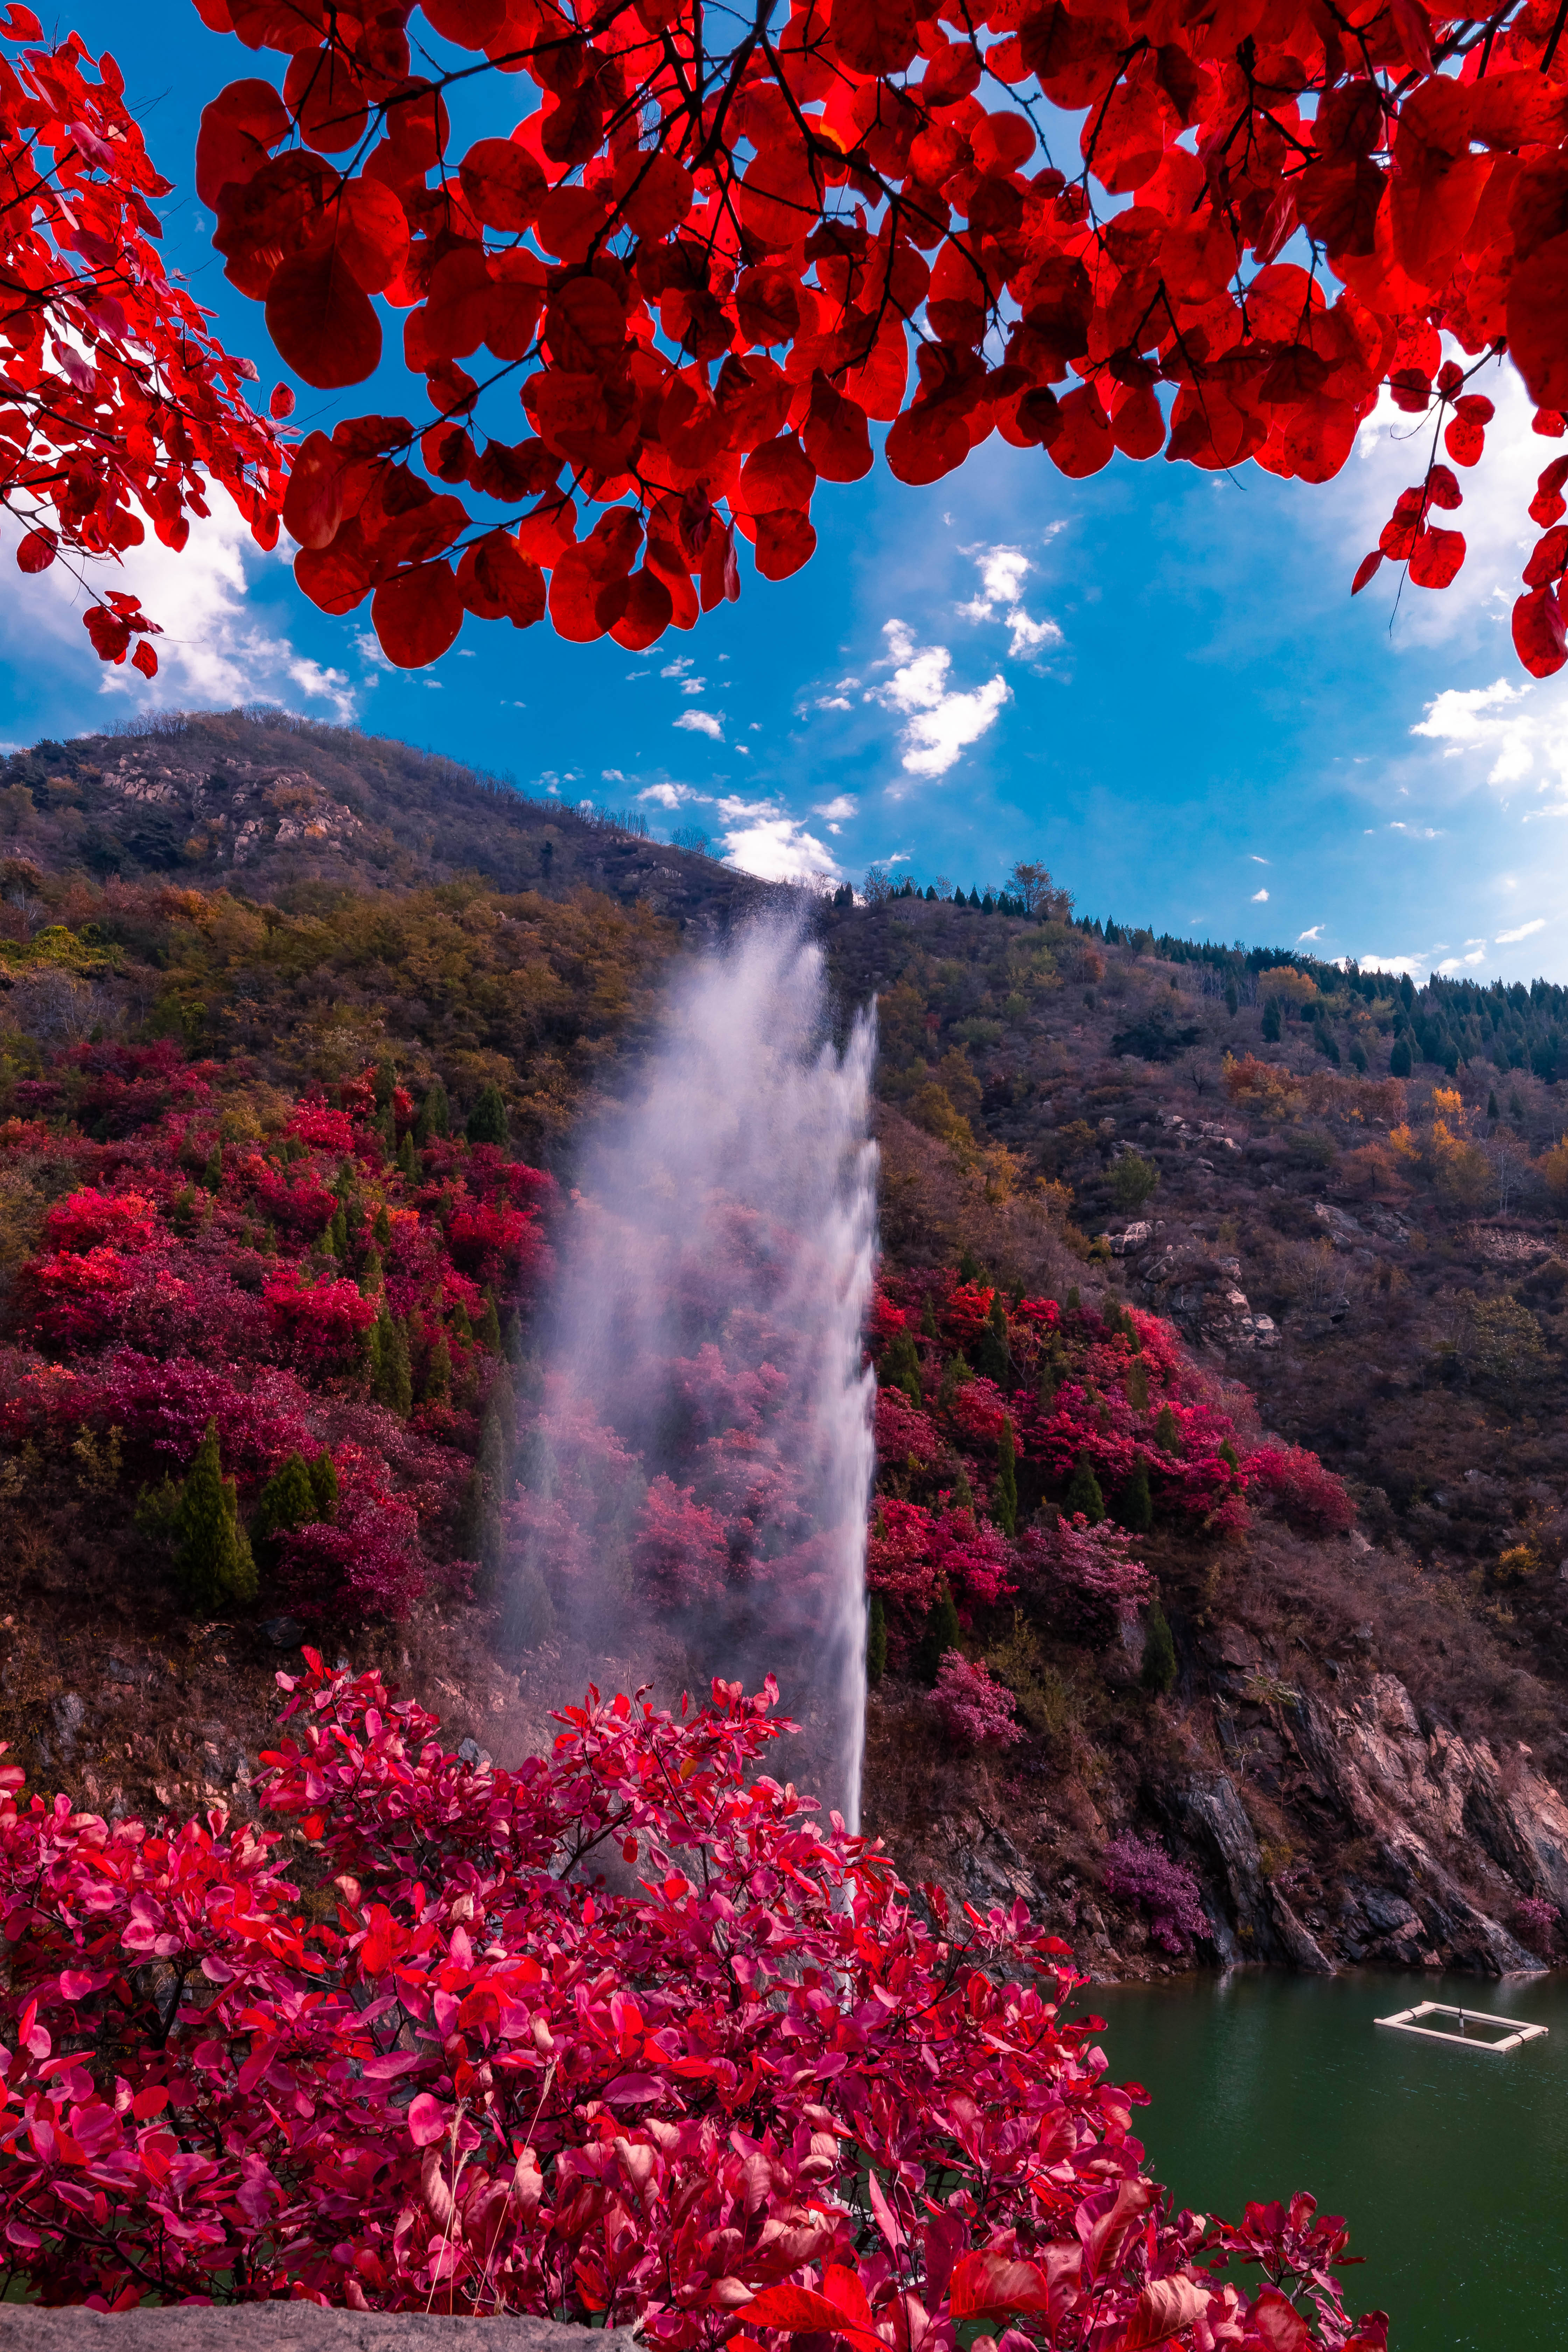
x=1296, y=1483
x=974, y=1711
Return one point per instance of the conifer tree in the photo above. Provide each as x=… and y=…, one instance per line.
x=1167, y=1436
x=1271, y=1022
x=488, y=1333
x=325, y=1484
x=1159, y=1652
x=383, y=1085
x=338, y=1235
x=435, y=1114
x=1073, y=1302
x=900, y=1367
x=1134, y=1507
x=382, y=1229
x=391, y=1376
x=942, y=1633
x=875, y=1640
x=1399, y=1058
x=928, y=1319
x=1138, y=1389
x=372, y=1274
x=1005, y=1508
x=437, y=1388
x=488, y=1118
x=461, y=1328
x=1083, y=1493
x=288, y=1500
x=994, y=1355
x=211, y=1557
x=212, y=1174
x=407, y=1159
x=961, y=1497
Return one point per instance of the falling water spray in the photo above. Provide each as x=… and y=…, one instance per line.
x=695, y=1487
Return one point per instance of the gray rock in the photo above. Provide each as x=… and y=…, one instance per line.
x=285, y=2327
x=283, y=1632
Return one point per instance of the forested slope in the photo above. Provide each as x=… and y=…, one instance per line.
x=284, y=1143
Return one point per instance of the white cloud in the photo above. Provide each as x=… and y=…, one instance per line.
x=1459, y=963
x=1003, y=571
x=762, y=840
x=1395, y=965
x=701, y=722
x=1525, y=931
x=693, y=685
x=212, y=652
x=677, y=667
x=942, y=722
x=1315, y=933
x=1255, y=860
x=832, y=702
x=840, y=807
x=611, y=776
x=672, y=796
x=1419, y=831
x=1259, y=897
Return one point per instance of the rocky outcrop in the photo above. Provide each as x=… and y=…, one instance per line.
x=241, y=807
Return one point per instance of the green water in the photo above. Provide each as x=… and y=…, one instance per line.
x=1450, y=2165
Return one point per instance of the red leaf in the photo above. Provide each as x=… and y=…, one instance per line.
x=323, y=91
x=1549, y=503
x=1436, y=556
x=1277, y=2326
x=111, y=635
x=1084, y=444
x=1364, y=570
x=498, y=581
x=145, y=660
x=418, y=615
x=322, y=322
x=926, y=442
x=575, y=590
x=281, y=403
x=426, y=2120
x=1539, y=638
x=313, y=502
x=1537, y=304
x=504, y=183
x=985, y=2283
x=778, y=478
x=835, y=434
x=785, y=542
x=36, y=552
x=1548, y=558
x=370, y=229
x=637, y=612
x=238, y=128
x=875, y=37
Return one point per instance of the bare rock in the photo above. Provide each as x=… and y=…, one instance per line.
x=285, y=2327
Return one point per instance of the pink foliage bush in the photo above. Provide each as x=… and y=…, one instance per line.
x=974, y=1711
x=1306, y=1494
x=752, y=2090
x=1136, y=1870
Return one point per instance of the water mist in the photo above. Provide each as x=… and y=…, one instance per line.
x=694, y=1490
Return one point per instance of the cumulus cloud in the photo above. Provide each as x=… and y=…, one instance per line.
x=1315, y=933
x=762, y=839
x=672, y=796
x=1003, y=571
x=1419, y=831
x=1524, y=931
x=1259, y=897
x=1521, y=728
x=1457, y=963
x=701, y=722
x=941, y=722
x=842, y=805
x=1396, y=966
x=212, y=652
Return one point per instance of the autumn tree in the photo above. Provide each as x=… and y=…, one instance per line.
x=120, y=408
x=704, y=259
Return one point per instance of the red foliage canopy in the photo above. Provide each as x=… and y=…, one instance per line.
x=116, y=401
x=702, y=269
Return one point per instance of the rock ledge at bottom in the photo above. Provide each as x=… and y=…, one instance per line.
x=286, y=2327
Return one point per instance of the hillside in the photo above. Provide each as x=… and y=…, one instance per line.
x=279, y=1137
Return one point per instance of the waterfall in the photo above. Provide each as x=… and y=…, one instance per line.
x=695, y=1484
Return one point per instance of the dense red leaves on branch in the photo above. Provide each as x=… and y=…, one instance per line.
x=118, y=407
x=704, y=272
x=756, y=2089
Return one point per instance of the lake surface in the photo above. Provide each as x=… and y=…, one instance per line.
x=1450, y=2165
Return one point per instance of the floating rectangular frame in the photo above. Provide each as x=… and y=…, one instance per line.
x=1406, y=2021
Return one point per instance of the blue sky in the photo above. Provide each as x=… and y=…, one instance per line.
x=1155, y=679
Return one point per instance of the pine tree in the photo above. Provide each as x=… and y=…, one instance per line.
x=435, y=1114
x=383, y=1085
x=993, y=1356
x=338, y=1235
x=372, y=1274
x=482, y=1529
x=461, y=1328
x=527, y=1613
x=1138, y=1389
x=382, y=1229
x=391, y=1379
x=969, y=1266
x=1399, y=1058
x=961, y=1497
x=1271, y=1022
x=212, y=1174
x=1492, y=1105
x=489, y=1331
x=875, y=1640
x=1046, y=1391
x=1134, y=1507
x=488, y=1120
x=1083, y=1493
x=1159, y=1652
x=1004, y=1507
x=1073, y=1303
x=408, y=1160
x=1227, y=1453
x=1232, y=1001
x=437, y=1387
x=942, y=1633
x=900, y=1367
x=928, y=1319
x=325, y=1484
x=288, y=1500
x=1167, y=1436
x=211, y=1558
